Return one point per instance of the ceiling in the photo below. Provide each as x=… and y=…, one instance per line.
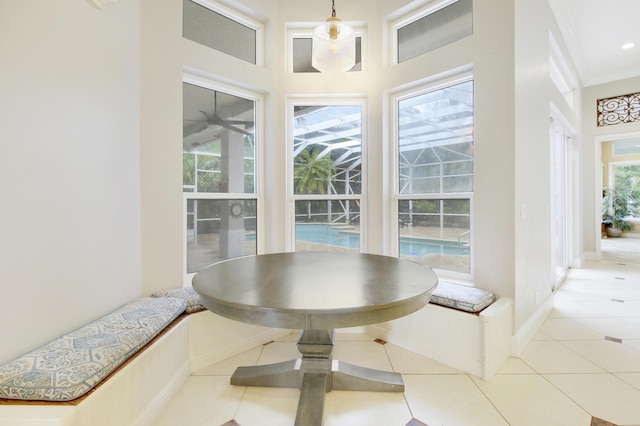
x=594, y=31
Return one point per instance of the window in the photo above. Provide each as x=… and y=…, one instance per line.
x=218, y=175
x=433, y=28
x=559, y=72
x=626, y=147
x=435, y=176
x=237, y=37
x=326, y=156
x=627, y=181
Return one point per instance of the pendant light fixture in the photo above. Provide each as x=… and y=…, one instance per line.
x=334, y=45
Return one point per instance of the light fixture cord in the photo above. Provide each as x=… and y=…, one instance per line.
x=333, y=8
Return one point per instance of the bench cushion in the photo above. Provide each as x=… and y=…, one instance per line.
x=461, y=297
x=73, y=364
x=188, y=294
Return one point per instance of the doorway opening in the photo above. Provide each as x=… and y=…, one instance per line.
x=619, y=158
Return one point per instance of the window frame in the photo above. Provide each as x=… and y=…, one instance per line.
x=560, y=74
x=290, y=220
x=393, y=99
x=257, y=195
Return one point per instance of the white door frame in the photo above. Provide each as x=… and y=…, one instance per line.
x=597, y=190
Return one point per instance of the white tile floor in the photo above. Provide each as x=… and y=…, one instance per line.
x=584, y=362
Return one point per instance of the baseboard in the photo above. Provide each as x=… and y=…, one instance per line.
x=525, y=334
x=590, y=255
x=628, y=234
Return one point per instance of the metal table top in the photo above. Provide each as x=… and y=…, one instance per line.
x=315, y=290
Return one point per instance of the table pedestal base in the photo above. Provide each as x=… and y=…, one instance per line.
x=315, y=374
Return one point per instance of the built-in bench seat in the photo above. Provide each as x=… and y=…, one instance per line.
x=70, y=366
x=140, y=385
x=465, y=327
x=139, y=388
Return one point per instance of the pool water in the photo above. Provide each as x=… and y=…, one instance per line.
x=345, y=236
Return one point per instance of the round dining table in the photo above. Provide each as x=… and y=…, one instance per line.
x=316, y=293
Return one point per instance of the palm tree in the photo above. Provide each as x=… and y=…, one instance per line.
x=311, y=173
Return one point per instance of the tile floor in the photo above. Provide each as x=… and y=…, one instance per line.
x=583, y=365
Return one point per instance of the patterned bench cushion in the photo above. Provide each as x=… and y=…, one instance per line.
x=188, y=294
x=463, y=298
x=70, y=366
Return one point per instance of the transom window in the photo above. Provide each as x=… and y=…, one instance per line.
x=221, y=29
x=434, y=27
x=626, y=147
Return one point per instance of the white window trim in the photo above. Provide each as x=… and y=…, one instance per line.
x=290, y=221
x=559, y=72
x=191, y=77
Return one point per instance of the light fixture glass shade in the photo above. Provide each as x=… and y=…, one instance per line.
x=334, y=47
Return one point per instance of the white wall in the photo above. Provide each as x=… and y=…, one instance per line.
x=161, y=145
x=535, y=93
x=69, y=166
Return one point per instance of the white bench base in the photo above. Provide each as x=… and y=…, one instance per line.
x=477, y=344
x=135, y=395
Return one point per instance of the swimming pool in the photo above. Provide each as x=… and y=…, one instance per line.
x=343, y=236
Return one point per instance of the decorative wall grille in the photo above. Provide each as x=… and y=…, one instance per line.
x=619, y=109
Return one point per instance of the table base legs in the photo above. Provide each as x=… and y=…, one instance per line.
x=316, y=373
x=345, y=376
x=341, y=376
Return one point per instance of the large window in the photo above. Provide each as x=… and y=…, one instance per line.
x=435, y=176
x=218, y=175
x=327, y=176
